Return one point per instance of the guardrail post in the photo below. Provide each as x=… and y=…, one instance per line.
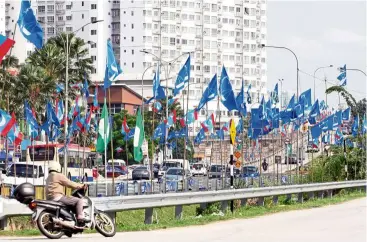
x=311, y=195
x=275, y=200
x=203, y=206
x=260, y=201
x=243, y=202
x=300, y=197
x=178, y=212
x=289, y=197
x=330, y=193
x=224, y=206
x=148, y=216
x=3, y=223
x=320, y=194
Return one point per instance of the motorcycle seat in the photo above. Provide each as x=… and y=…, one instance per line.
x=55, y=203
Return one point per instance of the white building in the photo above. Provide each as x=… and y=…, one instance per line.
x=56, y=16
x=228, y=31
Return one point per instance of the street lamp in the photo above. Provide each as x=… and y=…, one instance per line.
x=67, y=48
x=168, y=63
x=295, y=56
x=314, y=80
x=341, y=68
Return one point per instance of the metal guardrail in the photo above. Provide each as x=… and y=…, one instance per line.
x=11, y=208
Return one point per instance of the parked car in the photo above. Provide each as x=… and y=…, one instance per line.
x=216, y=171
x=117, y=171
x=198, y=169
x=141, y=173
x=176, y=174
x=249, y=172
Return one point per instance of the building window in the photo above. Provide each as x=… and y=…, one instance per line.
x=132, y=13
x=93, y=45
x=132, y=51
x=93, y=32
x=132, y=38
x=69, y=29
x=93, y=19
x=132, y=64
x=41, y=9
x=50, y=30
x=50, y=19
x=132, y=26
x=93, y=6
x=50, y=8
x=94, y=58
x=82, y=3
x=68, y=17
x=82, y=16
x=60, y=18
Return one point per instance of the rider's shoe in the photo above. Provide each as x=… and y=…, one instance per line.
x=82, y=222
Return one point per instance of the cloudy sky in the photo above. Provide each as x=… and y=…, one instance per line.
x=321, y=33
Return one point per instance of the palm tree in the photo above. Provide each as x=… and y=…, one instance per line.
x=356, y=107
x=6, y=78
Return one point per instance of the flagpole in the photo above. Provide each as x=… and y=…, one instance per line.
x=111, y=133
x=127, y=166
x=105, y=147
x=187, y=128
x=151, y=162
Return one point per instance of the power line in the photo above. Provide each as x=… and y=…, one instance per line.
x=330, y=82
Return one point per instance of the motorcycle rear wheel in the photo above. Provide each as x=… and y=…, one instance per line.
x=46, y=226
x=102, y=221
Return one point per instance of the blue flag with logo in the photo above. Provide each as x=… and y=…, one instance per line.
x=29, y=26
x=209, y=94
x=113, y=69
x=182, y=77
x=343, y=76
x=226, y=91
x=240, y=101
x=160, y=131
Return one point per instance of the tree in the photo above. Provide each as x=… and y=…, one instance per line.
x=356, y=107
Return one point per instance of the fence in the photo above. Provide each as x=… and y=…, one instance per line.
x=111, y=205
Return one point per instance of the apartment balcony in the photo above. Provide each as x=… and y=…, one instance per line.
x=60, y=11
x=115, y=31
x=116, y=5
x=51, y=11
x=41, y=13
x=60, y=23
x=116, y=18
x=59, y=2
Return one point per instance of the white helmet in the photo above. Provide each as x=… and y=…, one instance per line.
x=54, y=166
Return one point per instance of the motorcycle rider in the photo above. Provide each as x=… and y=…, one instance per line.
x=55, y=183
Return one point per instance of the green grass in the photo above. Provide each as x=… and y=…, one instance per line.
x=164, y=217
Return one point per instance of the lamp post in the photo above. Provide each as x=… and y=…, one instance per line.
x=295, y=56
x=340, y=68
x=314, y=80
x=67, y=48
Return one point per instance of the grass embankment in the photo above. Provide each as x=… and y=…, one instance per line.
x=192, y=215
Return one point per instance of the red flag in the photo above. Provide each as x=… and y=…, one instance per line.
x=9, y=125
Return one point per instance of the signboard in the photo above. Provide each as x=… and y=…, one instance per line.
x=232, y=131
x=144, y=147
x=238, y=164
x=208, y=151
x=287, y=141
x=237, y=154
x=278, y=159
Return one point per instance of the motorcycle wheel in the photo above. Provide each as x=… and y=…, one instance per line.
x=47, y=227
x=104, y=224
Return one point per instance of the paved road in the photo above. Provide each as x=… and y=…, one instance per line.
x=345, y=222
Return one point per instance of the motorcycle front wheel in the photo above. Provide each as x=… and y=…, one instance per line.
x=47, y=227
x=104, y=224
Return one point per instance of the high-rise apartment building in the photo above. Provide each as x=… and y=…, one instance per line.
x=56, y=16
x=218, y=33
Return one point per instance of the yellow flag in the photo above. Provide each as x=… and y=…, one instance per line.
x=232, y=131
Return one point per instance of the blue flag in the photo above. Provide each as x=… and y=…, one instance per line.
x=182, y=77
x=85, y=88
x=160, y=131
x=240, y=102
x=343, y=76
x=209, y=94
x=113, y=69
x=158, y=92
x=29, y=26
x=226, y=92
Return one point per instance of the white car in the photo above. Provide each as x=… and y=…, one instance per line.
x=198, y=169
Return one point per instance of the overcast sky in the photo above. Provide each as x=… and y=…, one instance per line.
x=321, y=33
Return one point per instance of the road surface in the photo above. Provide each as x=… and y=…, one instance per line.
x=344, y=222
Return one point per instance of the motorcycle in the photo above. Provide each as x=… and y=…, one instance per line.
x=55, y=219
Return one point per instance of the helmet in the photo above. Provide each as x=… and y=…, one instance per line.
x=54, y=166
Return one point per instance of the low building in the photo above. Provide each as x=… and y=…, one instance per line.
x=122, y=98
